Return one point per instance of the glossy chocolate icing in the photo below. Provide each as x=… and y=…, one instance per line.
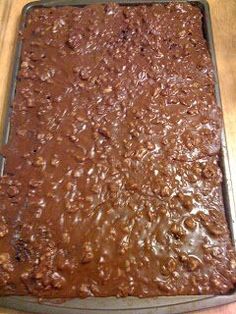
x=112, y=185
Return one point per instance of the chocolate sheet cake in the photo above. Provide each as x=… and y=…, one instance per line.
x=111, y=185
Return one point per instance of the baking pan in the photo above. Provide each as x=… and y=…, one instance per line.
x=163, y=305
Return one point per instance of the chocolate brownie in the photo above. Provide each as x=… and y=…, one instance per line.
x=112, y=185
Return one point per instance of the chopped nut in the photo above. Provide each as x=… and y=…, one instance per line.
x=24, y=64
x=73, y=138
x=25, y=276
x=215, y=229
x=39, y=162
x=78, y=173
x=193, y=263
x=164, y=270
x=113, y=187
x=69, y=186
x=70, y=207
x=150, y=146
x=80, y=154
x=131, y=184
x=127, y=265
x=165, y=191
x=55, y=162
x=21, y=132
x=5, y=262
x=187, y=202
x=190, y=223
x=84, y=290
x=57, y=280
x=12, y=191
x=216, y=282
x=171, y=265
x=80, y=118
x=233, y=263
x=203, y=217
x=38, y=275
x=4, y=258
x=30, y=103
x=182, y=33
x=134, y=133
x=140, y=153
x=178, y=231
x=59, y=139
x=163, y=286
x=87, y=255
x=105, y=132
x=66, y=237
x=35, y=183
x=183, y=257
x=80, y=158
x=76, y=69
x=84, y=74
x=3, y=227
x=107, y=90
x=209, y=171
x=192, y=178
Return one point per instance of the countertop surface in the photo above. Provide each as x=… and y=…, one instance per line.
x=223, y=14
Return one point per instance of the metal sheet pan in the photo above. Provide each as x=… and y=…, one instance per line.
x=163, y=305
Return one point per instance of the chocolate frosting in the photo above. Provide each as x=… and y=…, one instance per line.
x=112, y=185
